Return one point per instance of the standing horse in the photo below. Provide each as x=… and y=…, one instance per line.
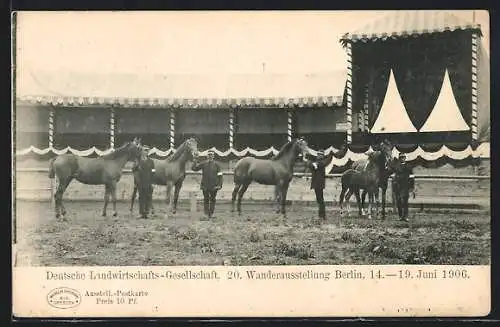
x=105, y=170
x=368, y=178
x=276, y=171
x=383, y=184
x=171, y=172
x=386, y=147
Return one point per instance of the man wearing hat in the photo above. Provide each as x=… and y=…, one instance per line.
x=402, y=184
x=211, y=182
x=144, y=172
x=317, y=168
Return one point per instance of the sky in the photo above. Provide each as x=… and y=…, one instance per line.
x=193, y=42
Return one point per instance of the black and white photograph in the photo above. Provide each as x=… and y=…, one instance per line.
x=251, y=138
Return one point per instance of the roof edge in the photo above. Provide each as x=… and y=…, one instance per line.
x=349, y=37
x=193, y=103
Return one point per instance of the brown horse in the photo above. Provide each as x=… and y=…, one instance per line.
x=171, y=172
x=383, y=184
x=105, y=170
x=386, y=147
x=367, y=178
x=276, y=171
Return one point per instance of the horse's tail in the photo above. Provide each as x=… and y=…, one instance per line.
x=52, y=172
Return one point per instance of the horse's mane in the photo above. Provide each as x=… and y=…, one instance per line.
x=116, y=152
x=176, y=155
x=284, y=149
x=372, y=157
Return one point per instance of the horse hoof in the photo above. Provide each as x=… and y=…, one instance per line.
x=104, y=214
x=115, y=214
x=369, y=216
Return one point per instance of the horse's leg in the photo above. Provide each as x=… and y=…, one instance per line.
x=384, y=191
x=233, y=196
x=241, y=192
x=134, y=193
x=341, y=199
x=363, y=201
x=168, y=199
x=278, y=195
x=63, y=208
x=284, y=191
x=377, y=199
x=348, y=200
x=113, y=196
x=177, y=189
x=58, y=196
x=358, y=201
x=371, y=195
x=106, y=199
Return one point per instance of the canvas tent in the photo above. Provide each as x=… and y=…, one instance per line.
x=237, y=115
x=421, y=79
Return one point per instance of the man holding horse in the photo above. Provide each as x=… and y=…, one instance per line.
x=317, y=168
x=145, y=171
x=211, y=182
x=402, y=184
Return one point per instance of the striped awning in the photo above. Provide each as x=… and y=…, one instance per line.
x=406, y=23
x=66, y=88
x=178, y=103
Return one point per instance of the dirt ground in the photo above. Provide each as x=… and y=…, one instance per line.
x=257, y=237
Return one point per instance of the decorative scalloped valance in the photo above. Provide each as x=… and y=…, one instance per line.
x=299, y=102
x=409, y=23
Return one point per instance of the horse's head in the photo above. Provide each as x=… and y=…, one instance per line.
x=192, y=146
x=301, y=147
x=386, y=147
x=134, y=149
x=392, y=165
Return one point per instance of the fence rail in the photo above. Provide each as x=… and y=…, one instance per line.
x=230, y=173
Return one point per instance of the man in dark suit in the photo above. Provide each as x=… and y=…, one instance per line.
x=145, y=171
x=317, y=168
x=211, y=182
x=402, y=184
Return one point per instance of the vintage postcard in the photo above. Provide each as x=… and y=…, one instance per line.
x=251, y=164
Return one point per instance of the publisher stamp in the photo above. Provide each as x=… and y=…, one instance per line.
x=64, y=298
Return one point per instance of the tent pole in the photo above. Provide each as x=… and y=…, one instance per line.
x=231, y=128
x=474, y=86
x=349, y=92
x=51, y=127
x=112, y=128
x=289, y=125
x=172, y=128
